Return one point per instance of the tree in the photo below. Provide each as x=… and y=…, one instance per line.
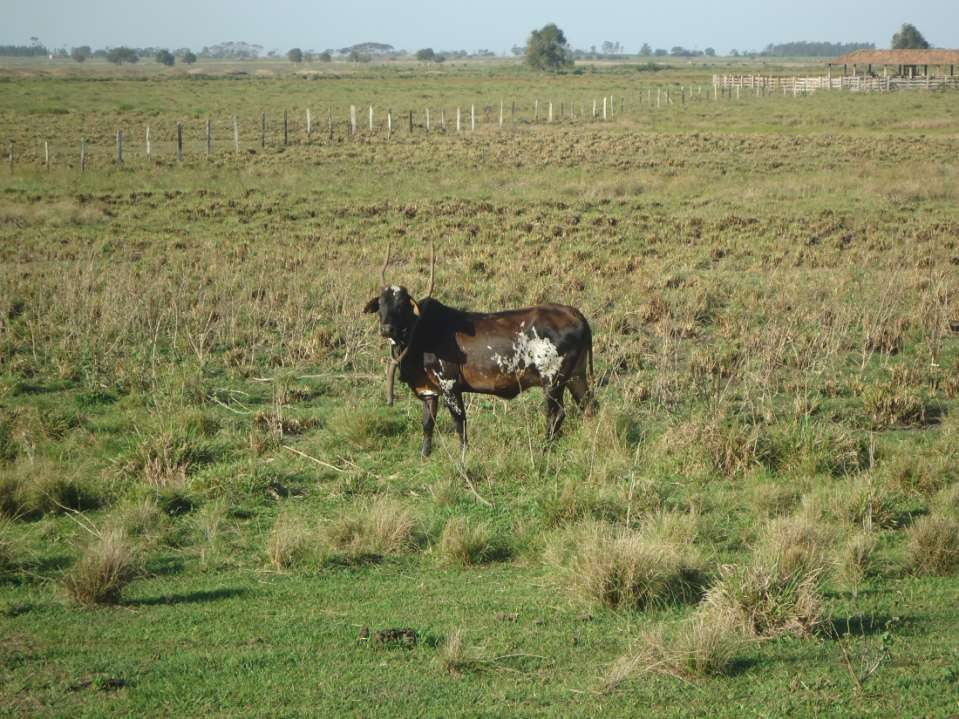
x=295, y=55
x=909, y=38
x=165, y=57
x=710, y=52
x=547, y=49
x=82, y=53
x=120, y=55
x=188, y=57
x=645, y=50
x=325, y=56
x=426, y=55
x=660, y=52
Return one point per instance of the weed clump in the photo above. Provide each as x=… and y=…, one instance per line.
x=467, y=544
x=289, y=542
x=106, y=565
x=628, y=569
x=35, y=488
x=933, y=545
x=898, y=402
x=164, y=459
x=371, y=531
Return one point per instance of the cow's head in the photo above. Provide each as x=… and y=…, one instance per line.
x=398, y=313
x=399, y=316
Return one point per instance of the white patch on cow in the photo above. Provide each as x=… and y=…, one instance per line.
x=391, y=340
x=447, y=385
x=394, y=289
x=531, y=350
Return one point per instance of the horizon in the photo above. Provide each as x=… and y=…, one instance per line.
x=177, y=24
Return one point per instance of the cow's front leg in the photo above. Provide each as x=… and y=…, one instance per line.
x=455, y=403
x=429, y=421
x=555, y=412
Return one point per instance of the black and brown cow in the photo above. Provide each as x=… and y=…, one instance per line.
x=443, y=352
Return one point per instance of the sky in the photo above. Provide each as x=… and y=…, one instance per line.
x=495, y=25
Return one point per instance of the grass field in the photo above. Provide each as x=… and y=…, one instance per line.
x=206, y=506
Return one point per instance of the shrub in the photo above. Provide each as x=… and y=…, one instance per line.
x=105, y=567
x=855, y=558
x=933, y=545
x=627, y=569
x=860, y=500
x=465, y=543
x=165, y=458
x=289, y=541
x=34, y=488
x=371, y=531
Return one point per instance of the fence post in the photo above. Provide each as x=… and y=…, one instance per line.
x=179, y=142
x=236, y=134
x=83, y=155
x=119, y=147
x=286, y=128
x=457, y=119
x=331, y=124
x=371, y=118
x=309, y=125
x=594, y=108
x=353, y=120
x=427, y=121
x=604, y=108
x=389, y=124
x=443, y=118
x=549, y=112
x=209, y=138
x=500, y=114
x=262, y=130
x=46, y=155
x=148, y=142
x=411, y=122
x=535, y=110
x=13, y=154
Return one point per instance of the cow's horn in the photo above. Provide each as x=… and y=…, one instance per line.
x=386, y=262
x=429, y=290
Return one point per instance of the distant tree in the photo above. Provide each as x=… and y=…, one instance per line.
x=295, y=55
x=909, y=38
x=547, y=49
x=165, y=57
x=518, y=50
x=734, y=53
x=660, y=52
x=357, y=56
x=710, y=52
x=426, y=55
x=325, y=56
x=120, y=55
x=188, y=57
x=815, y=49
x=645, y=50
x=439, y=58
x=82, y=53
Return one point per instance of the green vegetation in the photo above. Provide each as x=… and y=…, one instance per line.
x=205, y=505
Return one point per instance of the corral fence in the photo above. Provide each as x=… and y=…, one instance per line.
x=768, y=84
x=236, y=135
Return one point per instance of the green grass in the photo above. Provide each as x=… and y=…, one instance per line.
x=770, y=285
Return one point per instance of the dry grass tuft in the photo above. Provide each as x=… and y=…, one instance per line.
x=933, y=545
x=456, y=657
x=370, y=531
x=855, y=558
x=289, y=541
x=629, y=569
x=106, y=565
x=780, y=590
x=9, y=552
x=467, y=544
x=705, y=644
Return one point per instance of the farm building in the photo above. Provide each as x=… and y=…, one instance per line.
x=898, y=63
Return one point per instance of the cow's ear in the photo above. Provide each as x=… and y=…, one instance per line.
x=416, y=307
x=372, y=306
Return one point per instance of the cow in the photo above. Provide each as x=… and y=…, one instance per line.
x=443, y=352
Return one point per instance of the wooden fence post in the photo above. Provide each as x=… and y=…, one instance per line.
x=148, y=142
x=549, y=112
x=472, y=117
x=594, y=108
x=443, y=118
x=262, y=130
x=427, y=121
x=179, y=142
x=119, y=147
x=13, y=154
x=83, y=155
x=371, y=118
x=309, y=125
x=46, y=155
x=604, y=107
x=500, y=114
x=457, y=119
x=535, y=110
x=353, y=120
x=286, y=134
x=389, y=124
x=411, y=122
x=236, y=135
x=209, y=138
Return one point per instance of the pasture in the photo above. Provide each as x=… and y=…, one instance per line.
x=761, y=519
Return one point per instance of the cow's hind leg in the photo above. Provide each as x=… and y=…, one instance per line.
x=582, y=394
x=429, y=421
x=555, y=413
x=458, y=412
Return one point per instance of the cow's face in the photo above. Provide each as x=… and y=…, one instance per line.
x=398, y=312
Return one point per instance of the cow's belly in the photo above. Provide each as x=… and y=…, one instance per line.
x=490, y=379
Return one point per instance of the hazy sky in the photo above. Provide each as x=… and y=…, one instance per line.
x=468, y=24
